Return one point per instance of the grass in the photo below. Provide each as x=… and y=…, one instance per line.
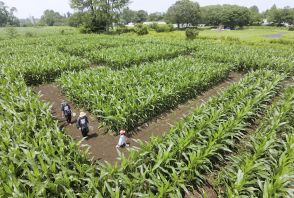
x=289, y=35
x=244, y=35
x=22, y=32
x=250, y=34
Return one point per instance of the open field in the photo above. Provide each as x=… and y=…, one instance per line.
x=210, y=117
x=27, y=32
x=249, y=35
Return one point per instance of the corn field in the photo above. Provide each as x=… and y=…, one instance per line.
x=241, y=138
x=37, y=159
x=266, y=167
x=120, y=57
x=247, y=57
x=128, y=98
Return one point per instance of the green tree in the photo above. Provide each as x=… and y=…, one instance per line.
x=233, y=15
x=101, y=14
x=142, y=16
x=279, y=16
x=255, y=16
x=227, y=15
x=76, y=19
x=274, y=15
x=128, y=16
x=184, y=12
x=287, y=15
x=7, y=16
x=156, y=16
x=211, y=15
x=51, y=18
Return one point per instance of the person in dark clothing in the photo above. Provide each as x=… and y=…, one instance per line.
x=82, y=124
x=66, y=110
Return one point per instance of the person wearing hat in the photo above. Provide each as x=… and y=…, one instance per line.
x=66, y=111
x=122, y=142
x=82, y=124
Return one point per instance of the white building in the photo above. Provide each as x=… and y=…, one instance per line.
x=130, y=25
x=265, y=22
x=157, y=22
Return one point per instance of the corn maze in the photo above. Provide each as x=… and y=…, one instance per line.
x=240, y=141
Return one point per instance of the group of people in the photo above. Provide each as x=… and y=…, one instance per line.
x=83, y=124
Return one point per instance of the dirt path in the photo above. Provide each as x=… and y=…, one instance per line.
x=278, y=35
x=163, y=123
x=102, y=144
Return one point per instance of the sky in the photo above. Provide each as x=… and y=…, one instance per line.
x=27, y=8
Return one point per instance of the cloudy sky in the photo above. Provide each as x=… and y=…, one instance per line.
x=35, y=8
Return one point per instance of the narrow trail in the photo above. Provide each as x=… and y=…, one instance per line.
x=102, y=144
x=165, y=121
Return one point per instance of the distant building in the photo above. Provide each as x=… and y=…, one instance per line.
x=164, y=23
x=183, y=25
x=286, y=24
x=147, y=23
x=156, y=22
x=265, y=22
x=130, y=25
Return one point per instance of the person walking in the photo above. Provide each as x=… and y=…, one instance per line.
x=82, y=124
x=122, y=142
x=66, y=111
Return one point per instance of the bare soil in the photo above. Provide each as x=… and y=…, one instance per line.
x=161, y=124
x=206, y=190
x=102, y=144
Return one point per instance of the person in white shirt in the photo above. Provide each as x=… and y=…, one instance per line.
x=122, y=142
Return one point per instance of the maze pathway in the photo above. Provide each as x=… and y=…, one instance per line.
x=102, y=143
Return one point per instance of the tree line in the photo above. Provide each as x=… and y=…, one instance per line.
x=102, y=15
x=7, y=17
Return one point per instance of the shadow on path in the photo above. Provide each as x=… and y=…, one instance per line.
x=102, y=143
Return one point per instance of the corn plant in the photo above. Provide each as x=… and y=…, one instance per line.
x=128, y=98
x=204, y=116
x=120, y=57
x=280, y=182
x=247, y=57
x=37, y=159
x=80, y=46
x=248, y=172
x=171, y=164
x=38, y=64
